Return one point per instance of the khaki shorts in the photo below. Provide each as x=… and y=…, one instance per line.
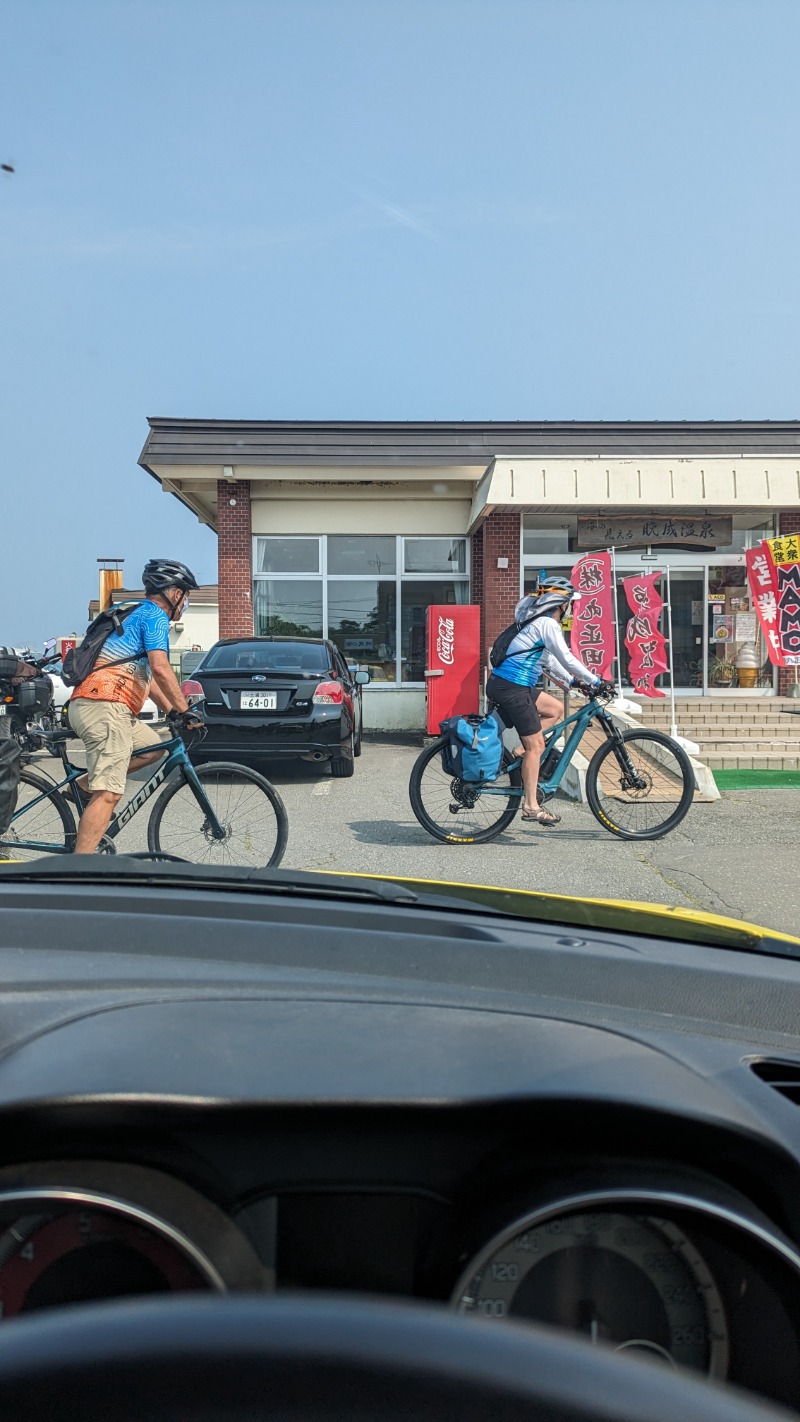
x=110, y=733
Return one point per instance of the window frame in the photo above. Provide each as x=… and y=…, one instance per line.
x=398, y=578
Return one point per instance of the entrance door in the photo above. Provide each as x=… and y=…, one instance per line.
x=687, y=586
x=737, y=654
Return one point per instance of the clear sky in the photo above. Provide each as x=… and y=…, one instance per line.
x=372, y=209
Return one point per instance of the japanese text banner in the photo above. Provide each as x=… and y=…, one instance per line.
x=646, y=646
x=592, y=635
x=773, y=571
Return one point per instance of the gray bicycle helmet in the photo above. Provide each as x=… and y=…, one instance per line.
x=555, y=593
x=162, y=573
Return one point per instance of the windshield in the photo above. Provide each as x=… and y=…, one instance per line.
x=384, y=321
x=267, y=656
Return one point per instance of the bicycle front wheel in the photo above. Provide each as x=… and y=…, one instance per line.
x=46, y=824
x=248, y=808
x=642, y=788
x=456, y=811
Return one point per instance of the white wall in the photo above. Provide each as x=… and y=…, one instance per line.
x=418, y=515
x=199, y=625
x=400, y=709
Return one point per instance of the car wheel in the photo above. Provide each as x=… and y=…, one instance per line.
x=342, y=766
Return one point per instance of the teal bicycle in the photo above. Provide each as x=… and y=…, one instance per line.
x=218, y=813
x=639, y=783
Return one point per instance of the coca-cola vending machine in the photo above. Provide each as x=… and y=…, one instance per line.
x=453, y=662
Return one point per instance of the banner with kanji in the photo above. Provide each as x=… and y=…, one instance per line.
x=592, y=636
x=773, y=572
x=646, y=646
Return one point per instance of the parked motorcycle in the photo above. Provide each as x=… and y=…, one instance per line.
x=27, y=700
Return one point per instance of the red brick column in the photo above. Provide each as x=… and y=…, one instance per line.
x=234, y=559
x=789, y=522
x=501, y=586
x=476, y=572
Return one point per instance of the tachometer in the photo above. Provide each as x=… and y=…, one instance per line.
x=64, y=1253
x=633, y=1281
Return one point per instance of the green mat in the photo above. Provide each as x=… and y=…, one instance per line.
x=757, y=779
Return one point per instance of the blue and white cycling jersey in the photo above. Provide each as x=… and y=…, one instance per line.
x=127, y=678
x=540, y=647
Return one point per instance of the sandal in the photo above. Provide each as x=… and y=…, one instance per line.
x=542, y=817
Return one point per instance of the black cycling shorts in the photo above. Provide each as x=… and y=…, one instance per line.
x=517, y=704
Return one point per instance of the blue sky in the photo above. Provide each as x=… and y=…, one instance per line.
x=372, y=209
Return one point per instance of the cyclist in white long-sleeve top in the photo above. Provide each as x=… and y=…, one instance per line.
x=515, y=685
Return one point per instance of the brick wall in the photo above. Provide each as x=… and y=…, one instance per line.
x=476, y=572
x=500, y=588
x=234, y=559
x=789, y=522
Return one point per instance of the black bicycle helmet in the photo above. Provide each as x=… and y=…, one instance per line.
x=162, y=573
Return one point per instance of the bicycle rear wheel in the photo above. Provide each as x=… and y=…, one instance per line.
x=458, y=812
x=248, y=808
x=46, y=828
x=641, y=789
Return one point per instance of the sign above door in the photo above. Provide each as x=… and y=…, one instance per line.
x=656, y=530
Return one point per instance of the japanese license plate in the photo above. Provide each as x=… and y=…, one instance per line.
x=2, y=709
x=258, y=701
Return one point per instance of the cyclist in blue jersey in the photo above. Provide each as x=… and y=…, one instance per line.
x=104, y=707
x=515, y=685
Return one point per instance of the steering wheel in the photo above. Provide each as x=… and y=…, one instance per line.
x=328, y=1359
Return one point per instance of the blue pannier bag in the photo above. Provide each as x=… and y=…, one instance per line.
x=474, y=748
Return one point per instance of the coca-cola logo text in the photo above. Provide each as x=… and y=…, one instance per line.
x=445, y=641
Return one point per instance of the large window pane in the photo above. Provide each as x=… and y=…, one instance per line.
x=435, y=555
x=287, y=555
x=287, y=607
x=415, y=599
x=373, y=555
x=362, y=622
x=542, y=537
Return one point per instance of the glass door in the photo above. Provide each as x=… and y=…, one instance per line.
x=737, y=655
x=687, y=587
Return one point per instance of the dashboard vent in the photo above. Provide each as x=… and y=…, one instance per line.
x=783, y=1077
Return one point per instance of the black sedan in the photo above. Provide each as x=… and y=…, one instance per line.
x=277, y=696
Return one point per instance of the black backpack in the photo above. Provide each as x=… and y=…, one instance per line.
x=502, y=643
x=79, y=661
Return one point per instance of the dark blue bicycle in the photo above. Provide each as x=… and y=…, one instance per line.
x=218, y=813
x=639, y=783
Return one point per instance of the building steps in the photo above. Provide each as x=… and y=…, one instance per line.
x=747, y=733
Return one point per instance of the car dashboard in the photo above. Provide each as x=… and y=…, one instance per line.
x=224, y=1093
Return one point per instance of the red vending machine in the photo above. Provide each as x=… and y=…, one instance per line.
x=453, y=662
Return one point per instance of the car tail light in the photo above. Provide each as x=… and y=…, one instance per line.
x=328, y=693
x=193, y=691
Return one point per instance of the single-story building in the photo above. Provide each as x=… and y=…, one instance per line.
x=351, y=529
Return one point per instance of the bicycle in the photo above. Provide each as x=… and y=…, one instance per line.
x=219, y=813
x=641, y=771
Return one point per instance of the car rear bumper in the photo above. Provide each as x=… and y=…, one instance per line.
x=240, y=739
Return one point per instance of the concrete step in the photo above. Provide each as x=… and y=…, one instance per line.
x=748, y=748
x=745, y=761
x=719, y=730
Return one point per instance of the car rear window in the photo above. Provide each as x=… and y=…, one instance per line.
x=268, y=656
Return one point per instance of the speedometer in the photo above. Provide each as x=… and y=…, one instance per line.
x=633, y=1281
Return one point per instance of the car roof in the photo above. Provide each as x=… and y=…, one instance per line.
x=311, y=641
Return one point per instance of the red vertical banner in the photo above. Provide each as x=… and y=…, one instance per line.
x=592, y=636
x=646, y=646
x=773, y=572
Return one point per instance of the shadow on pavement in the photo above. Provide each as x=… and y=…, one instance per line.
x=400, y=833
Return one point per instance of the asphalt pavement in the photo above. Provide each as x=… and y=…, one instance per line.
x=736, y=856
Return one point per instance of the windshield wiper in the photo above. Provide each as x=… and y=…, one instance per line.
x=167, y=872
